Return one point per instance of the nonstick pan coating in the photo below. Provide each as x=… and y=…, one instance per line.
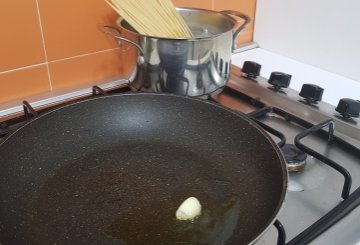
x=114, y=169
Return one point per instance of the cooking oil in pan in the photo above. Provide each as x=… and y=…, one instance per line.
x=215, y=226
x=115, y=195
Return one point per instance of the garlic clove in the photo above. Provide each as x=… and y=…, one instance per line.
x=189, y=209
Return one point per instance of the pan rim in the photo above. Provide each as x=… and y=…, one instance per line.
x=285, y=174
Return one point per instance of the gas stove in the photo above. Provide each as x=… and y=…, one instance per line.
x=321, y=143
x=322, y=197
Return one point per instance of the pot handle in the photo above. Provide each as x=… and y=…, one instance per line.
x=238, y=30
x=114, y=32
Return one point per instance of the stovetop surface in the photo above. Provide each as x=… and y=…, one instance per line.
x=317, y=190
x=314, y=192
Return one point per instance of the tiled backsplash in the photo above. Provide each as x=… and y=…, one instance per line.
x=48, y=45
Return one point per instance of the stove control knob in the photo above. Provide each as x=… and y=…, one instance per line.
x=279, y=80
x=348, y=108
x=312, y=93
x=251, y=69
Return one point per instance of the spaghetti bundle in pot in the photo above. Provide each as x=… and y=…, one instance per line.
x=158, y=18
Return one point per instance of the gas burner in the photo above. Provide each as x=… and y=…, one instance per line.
x=294, y=157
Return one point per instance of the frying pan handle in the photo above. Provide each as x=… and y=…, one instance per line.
x=114, y=32
x=238, y=30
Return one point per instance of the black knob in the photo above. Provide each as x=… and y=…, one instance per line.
x=348, y=108
x=311, y=92
x=279, y=79
x=251, y=69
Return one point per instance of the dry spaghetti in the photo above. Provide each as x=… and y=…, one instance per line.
x=157, y=18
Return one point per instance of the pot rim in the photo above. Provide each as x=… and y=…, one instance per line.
x=224, y=15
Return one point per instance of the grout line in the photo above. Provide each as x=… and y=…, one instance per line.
x=44, y=46
x=82, y=55
x=21, y=68
x=47, y=63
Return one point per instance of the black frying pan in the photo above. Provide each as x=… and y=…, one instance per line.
x=113, y=170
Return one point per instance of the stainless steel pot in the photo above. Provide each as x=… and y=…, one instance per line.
x=198, y=66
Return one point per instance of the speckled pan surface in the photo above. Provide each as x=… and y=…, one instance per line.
x=113, y=170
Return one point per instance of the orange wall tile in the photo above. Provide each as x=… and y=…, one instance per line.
x=47, y=44
x=72, y=27
x=244, y=6
x=87, y=68
x=245, y=37
x=20, y=41
x=205, y=4
x=19, y=84
x=247, y=7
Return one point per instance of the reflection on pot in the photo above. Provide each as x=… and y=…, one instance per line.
x=177, y=74
x=198, y=66
x=173, y=60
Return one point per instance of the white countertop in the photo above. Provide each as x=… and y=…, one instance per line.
x=335, y=86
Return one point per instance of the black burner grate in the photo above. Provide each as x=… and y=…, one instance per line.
x=351, y=200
